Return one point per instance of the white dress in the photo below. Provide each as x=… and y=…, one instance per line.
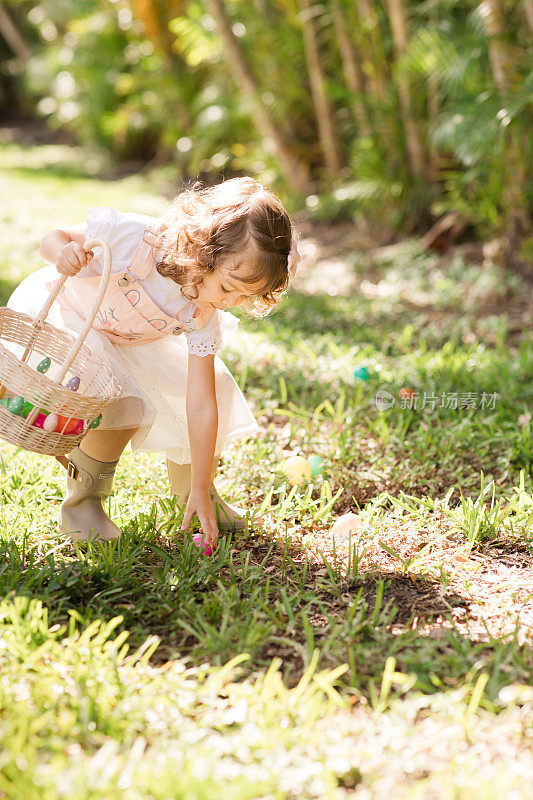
x=153, y=376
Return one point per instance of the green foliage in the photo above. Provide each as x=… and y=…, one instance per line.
x=476, y=131
x=100, y=79
x=173, y=97
x=479, y=522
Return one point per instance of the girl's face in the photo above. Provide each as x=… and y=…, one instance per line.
x=222, y=288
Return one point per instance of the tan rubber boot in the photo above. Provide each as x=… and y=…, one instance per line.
x=229, y=518
x=88, y=483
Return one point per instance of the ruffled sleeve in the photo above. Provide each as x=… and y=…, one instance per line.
x=101, y=222
x=214, y=335
x=123, y=231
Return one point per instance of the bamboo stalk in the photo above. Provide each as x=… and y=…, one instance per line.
x=514, y=196
x=351, y=70
x=433, y=110
x=295, y=171
x=415, y=150
x=324, y=116
x=371, y=42
x=493, y=19
x=13, y=37
x=527, y=6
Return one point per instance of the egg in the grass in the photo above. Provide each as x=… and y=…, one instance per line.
x=297, y=469
x=315, y=462
x=346, y=525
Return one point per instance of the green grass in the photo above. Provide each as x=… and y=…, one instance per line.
x=287, y=665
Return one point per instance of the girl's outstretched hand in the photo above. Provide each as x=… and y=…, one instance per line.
x=199, y=503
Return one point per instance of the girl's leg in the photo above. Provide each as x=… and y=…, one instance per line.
x=106, y=445
x=91, y=468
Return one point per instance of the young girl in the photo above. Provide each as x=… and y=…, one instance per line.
x=215, y=248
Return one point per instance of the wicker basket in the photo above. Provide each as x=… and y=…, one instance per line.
x=41, y=395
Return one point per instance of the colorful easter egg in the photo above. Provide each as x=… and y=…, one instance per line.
x=50, y=423
x=39, y=420
x=16, y=405
x=2, y=391
x=96, y=422
x=44, y=365
x=361, y=374
x=26, y=408
x=406, y=393
x=315, y=462
x=297, y=469
x=74, y=384
x=79, y=428
x=346, y=525
x=197, y=539
x=67, y=426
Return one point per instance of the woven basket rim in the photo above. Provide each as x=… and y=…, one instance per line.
x=112, y=390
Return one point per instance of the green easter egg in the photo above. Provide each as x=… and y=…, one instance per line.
x=96, y=422
x=16, y=405
x=44, y=365
x=26, y=408
x=315, y=462
x=361, y=373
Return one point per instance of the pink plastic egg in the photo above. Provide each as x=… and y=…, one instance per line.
x=39, y=420
x=197, y=539
x=78, y=429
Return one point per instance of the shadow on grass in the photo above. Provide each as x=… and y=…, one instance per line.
x=33, y=152
x=260, y=597
x=347, y=320
x=57, y=171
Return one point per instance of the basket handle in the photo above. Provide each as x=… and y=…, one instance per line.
x=104, y=280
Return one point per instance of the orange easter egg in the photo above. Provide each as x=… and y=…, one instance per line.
x=72, y=425
x=406, y=393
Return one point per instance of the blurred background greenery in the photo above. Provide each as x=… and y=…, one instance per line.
x=408, y=114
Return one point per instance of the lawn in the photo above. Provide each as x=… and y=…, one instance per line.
x=289, y=665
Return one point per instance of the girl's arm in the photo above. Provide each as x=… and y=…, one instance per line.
x=202, y=421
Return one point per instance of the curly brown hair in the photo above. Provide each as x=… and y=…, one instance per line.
x=204, y=227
